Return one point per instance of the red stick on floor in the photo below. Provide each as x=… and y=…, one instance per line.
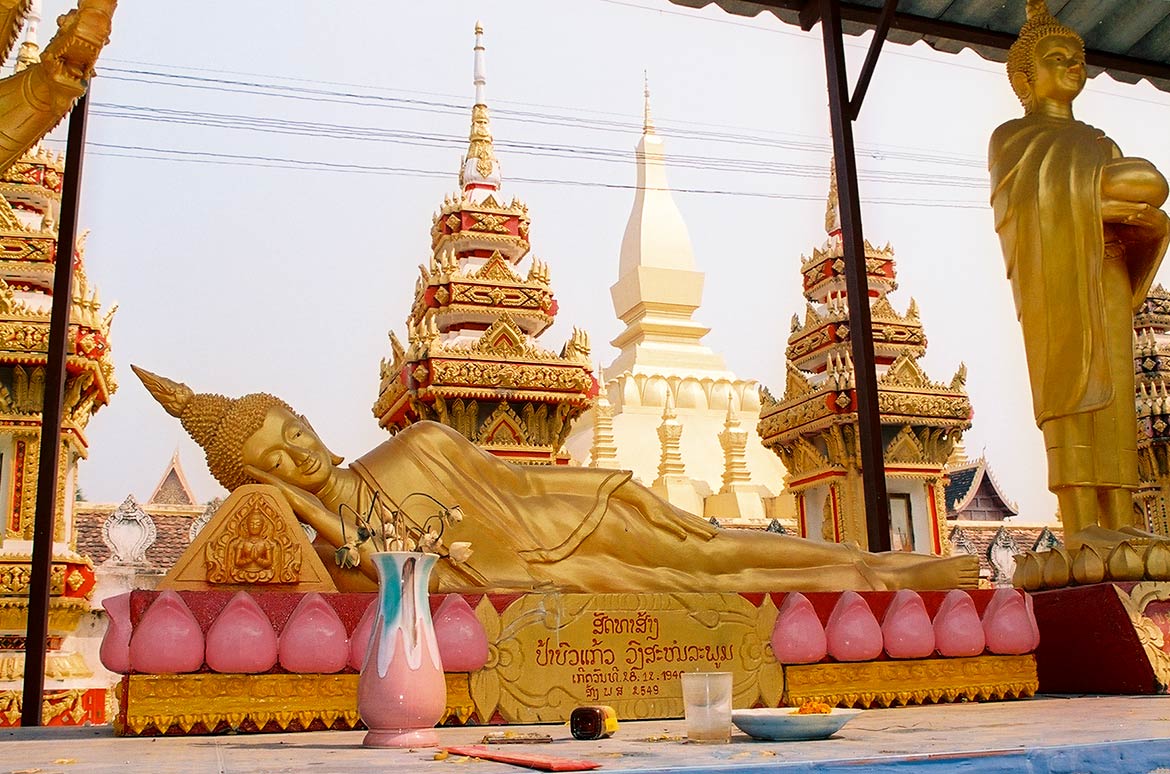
x=528, y=760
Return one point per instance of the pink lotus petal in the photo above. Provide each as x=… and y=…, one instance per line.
x=798, y=637
x=957, y=629
x=1007, y=625
x=359, y=641
x=463, y=645
x=115, y=652
x=241, y=640
x=853, y=632
x=167, y=640
x=906, y=627
x=314, y=639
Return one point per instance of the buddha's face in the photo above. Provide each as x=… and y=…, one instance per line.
x=287, y=447
x=1060, y=69
x=255, y=524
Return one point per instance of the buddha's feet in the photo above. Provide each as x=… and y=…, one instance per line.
x=1095, y=555
x=923, y=573
x=1105, y=539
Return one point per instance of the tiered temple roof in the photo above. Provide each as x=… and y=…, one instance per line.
x=471, y=360
x=812, y=427
x=30, y=204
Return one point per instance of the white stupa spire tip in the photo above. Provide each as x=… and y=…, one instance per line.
x=31, y=21
x=647, y=119
x=479, y=77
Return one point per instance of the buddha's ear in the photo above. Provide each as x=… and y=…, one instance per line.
x=1022, y=86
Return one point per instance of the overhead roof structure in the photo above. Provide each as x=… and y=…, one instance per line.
x=1129, y=39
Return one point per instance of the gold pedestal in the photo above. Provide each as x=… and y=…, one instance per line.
x=869, y=684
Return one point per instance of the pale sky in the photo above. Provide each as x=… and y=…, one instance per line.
x=236, y=273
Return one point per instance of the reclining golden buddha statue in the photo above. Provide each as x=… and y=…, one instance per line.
x=568, y=529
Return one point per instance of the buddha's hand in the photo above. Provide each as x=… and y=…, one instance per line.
x=306, y=505
x=1128, y=213
x=1130, y=179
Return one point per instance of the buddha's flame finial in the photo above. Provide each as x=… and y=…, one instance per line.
x=647, y=119
x=171, y=395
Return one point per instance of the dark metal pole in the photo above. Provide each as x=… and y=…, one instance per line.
x=871, y=58
x=877, y=508
x=36, y=634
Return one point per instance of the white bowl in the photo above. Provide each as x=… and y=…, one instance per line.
x=782, y=724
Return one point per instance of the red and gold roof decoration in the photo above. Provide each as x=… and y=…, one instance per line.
x=471, y=360
x=39, y=170
x=456, y=293
x=826, y=327
x=823, y=274
x=468, y=223
x=820, y=390
x=29, y=206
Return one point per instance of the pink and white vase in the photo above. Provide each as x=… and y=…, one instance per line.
x=402, y=692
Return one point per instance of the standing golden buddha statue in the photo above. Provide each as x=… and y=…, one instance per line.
x=1082, y=237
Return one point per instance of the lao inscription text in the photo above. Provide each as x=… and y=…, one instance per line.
x=628, y=656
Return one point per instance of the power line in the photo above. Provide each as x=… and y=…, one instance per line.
x=254, y=88
x=268, y=124
x=233, y=159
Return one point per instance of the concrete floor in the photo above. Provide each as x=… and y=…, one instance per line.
x=1094, y=735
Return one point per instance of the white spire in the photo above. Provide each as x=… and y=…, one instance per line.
x=30, y=49
x=658, y=286
x=480, y=77
x=647, y=120
x=655, y=234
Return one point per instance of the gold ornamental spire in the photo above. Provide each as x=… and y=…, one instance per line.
x=30, y=49
x=733, y=439
x=604, y=452
x=670, y=463
x=833, y=205
x=480, y=140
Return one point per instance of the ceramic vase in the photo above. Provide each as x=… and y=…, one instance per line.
x=402, y=692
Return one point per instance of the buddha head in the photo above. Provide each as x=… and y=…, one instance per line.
x=258, y=429
x=1047, y=61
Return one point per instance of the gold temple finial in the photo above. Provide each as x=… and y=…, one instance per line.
x=833, y=205
x=647, y=119
x=480, y=140
x=30, y=49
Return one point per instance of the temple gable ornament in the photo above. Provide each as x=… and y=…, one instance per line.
x=128, y=533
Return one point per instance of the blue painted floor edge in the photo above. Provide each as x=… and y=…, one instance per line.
x=1132, y=756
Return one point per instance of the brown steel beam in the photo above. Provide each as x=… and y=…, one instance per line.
x=869, y=435
x=871, y=58
x=37, y=630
